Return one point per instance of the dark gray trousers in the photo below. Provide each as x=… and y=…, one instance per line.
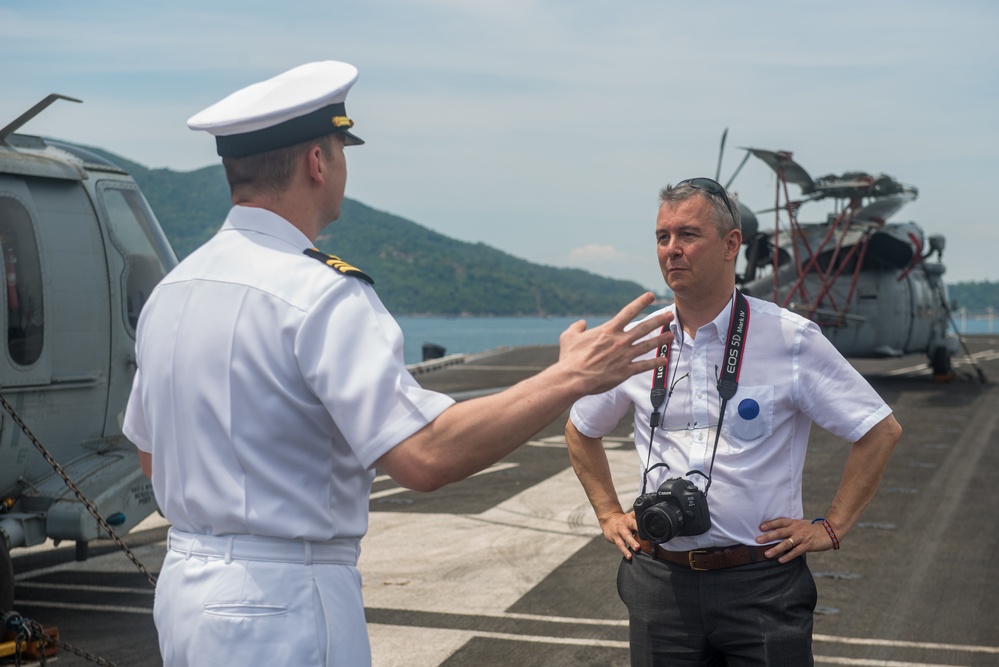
x=757, y=615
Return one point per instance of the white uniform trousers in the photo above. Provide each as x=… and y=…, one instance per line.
x=248, y=600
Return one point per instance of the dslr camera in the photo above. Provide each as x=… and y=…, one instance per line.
x=677, y=508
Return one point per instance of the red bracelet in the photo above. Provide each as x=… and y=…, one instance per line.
x=832, y=535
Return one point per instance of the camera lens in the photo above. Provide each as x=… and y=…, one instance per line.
x=661, y=523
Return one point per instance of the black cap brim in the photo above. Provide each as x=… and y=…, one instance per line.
x=351, y=139
x=328, y=120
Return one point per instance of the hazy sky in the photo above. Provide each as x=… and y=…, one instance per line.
x=546, y=128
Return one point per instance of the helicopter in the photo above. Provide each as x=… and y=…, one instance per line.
x=80, y=251
x=874, y=287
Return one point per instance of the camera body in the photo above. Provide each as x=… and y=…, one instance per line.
x=678, y=508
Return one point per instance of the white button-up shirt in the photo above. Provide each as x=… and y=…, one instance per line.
x=791, y=376
x=268, y=385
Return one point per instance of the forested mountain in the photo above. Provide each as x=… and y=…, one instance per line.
x=976, y=297
x=416, y=270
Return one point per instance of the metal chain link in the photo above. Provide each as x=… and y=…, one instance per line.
x=28, y=631
x=76, y=491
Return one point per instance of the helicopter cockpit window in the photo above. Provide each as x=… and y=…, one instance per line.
x=22, y=294
x=134, y=232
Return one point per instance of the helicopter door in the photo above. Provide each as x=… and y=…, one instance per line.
x=142, y=257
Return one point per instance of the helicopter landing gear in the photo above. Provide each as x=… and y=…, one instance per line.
x=943, y=371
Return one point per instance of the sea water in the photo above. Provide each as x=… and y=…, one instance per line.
x=471, y=335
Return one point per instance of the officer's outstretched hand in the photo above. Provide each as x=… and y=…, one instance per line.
x=603, y=357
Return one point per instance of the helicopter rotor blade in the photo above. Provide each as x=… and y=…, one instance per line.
x=721, y=151
x=796, y=204
x=16, y=124
x=737, y=170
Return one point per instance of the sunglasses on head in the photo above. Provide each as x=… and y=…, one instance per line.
x=711, y=187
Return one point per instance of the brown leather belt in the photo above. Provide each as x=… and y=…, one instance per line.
x=708, y=559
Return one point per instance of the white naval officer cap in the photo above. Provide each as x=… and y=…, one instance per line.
x=304, y=103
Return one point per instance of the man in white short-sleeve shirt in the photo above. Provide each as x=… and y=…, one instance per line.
x=271, y=384
x=712, y=572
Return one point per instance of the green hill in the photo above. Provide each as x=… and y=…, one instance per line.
x=416, y=270
x=976, y=297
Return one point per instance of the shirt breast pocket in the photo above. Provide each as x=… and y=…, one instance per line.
x=751, y=412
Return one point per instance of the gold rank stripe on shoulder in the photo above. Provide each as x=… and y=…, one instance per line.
x=338, y=264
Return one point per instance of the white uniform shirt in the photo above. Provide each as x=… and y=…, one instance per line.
x=791, y=376
x=268, y=385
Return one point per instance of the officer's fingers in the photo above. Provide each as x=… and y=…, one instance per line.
x=645, y=327
x=654, y=343
x=631, y=311
x=573, y=339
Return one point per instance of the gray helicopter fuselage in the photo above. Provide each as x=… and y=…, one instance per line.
x=870, y=284
x=80, y=251
x=894, y=306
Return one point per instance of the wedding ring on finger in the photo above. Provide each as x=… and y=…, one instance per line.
x=791, y=540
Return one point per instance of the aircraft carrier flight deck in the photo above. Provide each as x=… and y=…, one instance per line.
x=509, y=567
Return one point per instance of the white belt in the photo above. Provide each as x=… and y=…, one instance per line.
x=343, y=550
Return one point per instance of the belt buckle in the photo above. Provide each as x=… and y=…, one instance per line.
x=690, y=560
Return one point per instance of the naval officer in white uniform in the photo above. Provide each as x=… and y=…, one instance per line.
x=271, y=384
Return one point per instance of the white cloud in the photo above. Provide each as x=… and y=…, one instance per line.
x=593, y=253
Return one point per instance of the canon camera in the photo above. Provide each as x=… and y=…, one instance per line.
x=677, y=508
